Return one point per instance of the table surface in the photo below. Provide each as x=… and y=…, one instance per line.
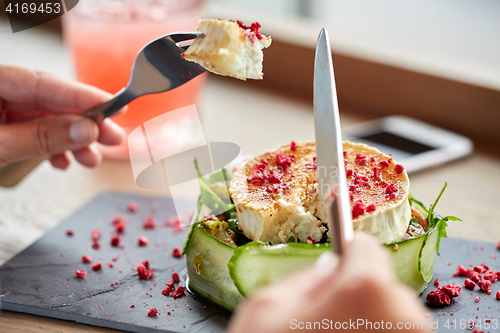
x=253, y=119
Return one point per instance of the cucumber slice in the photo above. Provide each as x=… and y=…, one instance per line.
x=207, y=259
x=428, y=254
x=406, y=262
x=254, y=265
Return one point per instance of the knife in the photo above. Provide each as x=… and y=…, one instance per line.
x=332, y=183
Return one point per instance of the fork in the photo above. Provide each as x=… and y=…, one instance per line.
x=158, y=67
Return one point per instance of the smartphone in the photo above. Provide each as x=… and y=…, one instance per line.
x=413, y=143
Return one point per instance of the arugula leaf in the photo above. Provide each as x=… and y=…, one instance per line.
x=208, y=197
x=200, y=175
x=241, y=239
x=437, y=220
x=430, y=216
x=212, y=200
x=441, y=234
x=219, y=176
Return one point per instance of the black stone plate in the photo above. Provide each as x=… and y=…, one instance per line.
x=41, y=280
x=36, y=280
x=464, y=308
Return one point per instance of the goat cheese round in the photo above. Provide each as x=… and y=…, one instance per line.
x=276, y=198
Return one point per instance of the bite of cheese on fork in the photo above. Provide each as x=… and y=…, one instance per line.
x=229, y=48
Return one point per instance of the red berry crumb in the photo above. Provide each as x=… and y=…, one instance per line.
x=498, y=245
x=399, y=168
x=170, y=283
x=489, y=275
x=86, y=258
x=146, y=264
x=143, y=241
x=81, y=274
x=166, y=291
x=484, y=285
x=133, y=207
x=115, y=240
x=498, y=294
x=293, y=146
x=358, y=208
x=443, y=295
x=469, y=284
x=95, y=245
x=462, y=271
x=452, y=289
x=132, y=306
x=439, y=298
x=178, y=292
x=360, y=156
x=97, y=266
x=177, y=252
x=152, y=312
x=143, y=271
x=391, y=188
x=95, y=234
x=477, y=299
x=176, y=277
x=475, y=276
x=149, y=223
x=384, y=164
x=371, y=208
x=120, y=226
x=70, y=233
x=480, y=269
x=436, y=283
x=110, y=265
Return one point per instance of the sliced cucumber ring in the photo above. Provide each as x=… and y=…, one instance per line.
x=208, y=272
x=255, y=264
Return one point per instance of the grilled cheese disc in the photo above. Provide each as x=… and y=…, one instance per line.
x=276, y=198
x=229, y=49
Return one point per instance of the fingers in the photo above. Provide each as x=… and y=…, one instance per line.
x=26, y=90
x=110, y=133
x=88, y=156
x=60, y=161
x=45, y=136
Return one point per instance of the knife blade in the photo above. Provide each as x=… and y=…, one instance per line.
x=332, y=183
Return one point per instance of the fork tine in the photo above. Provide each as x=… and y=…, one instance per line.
x=185, y=46
x=181, y=36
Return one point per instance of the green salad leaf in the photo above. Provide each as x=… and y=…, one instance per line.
x=436, y=220
x=208, y=197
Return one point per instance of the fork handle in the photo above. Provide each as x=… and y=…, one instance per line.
x=119, y=100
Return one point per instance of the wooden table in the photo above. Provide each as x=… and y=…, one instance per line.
x=255, y=120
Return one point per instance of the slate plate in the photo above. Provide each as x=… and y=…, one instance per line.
x=36, y=280
x=464, y=309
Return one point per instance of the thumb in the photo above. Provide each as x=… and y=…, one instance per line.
x=45, y=136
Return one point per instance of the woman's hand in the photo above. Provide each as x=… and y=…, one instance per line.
x=361, y=288
x=41, y=115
